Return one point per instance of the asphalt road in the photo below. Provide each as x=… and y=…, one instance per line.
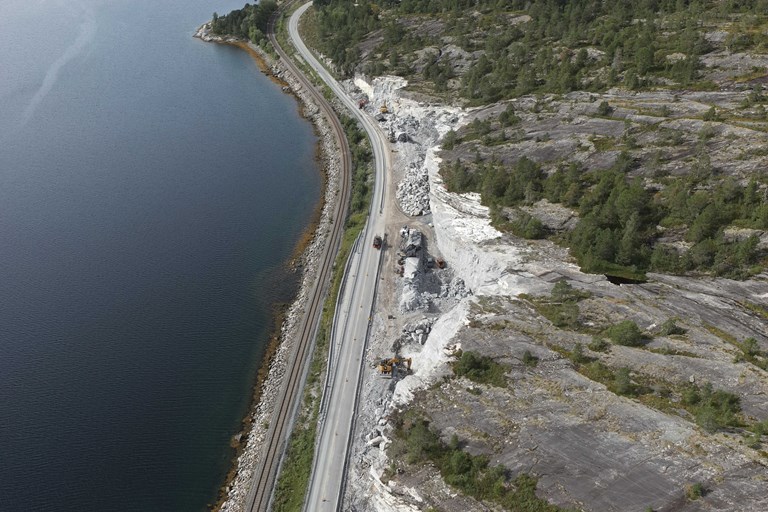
x=354, y=313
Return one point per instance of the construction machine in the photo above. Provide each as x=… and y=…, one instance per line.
x=383, y=109
x=388, y=367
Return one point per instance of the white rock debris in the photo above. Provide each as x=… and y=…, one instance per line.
x=414, y=127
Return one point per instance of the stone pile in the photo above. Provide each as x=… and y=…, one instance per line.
x=413, y=191
x=456, y=289
x=411, y=257
x=412, y=242
x=419, y=330
x=205, y=33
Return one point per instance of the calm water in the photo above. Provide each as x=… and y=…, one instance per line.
x=151, y=185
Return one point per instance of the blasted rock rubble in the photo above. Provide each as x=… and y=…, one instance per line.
x=413, y=127
x=262, y=414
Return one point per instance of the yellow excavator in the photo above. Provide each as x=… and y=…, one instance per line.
x=388, y=367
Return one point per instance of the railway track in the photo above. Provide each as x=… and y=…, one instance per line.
x=265, y=475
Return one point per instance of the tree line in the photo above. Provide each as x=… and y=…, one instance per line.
x=250, y=22
x=563, y=46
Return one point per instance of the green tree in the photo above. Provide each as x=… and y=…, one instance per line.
x=622, y=383
x=604, y=109
x=449, y=140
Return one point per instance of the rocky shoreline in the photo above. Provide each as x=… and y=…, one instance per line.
x=233, y=494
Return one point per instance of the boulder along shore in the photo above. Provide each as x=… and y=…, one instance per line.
x=249, y=441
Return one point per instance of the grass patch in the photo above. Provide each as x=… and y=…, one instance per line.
x=750, y=350
x=729, y=338
x=604, y=143
x=694, y=491
x=669, y=351
x=755, y=308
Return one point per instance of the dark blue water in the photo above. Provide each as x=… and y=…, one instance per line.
x=151, y=188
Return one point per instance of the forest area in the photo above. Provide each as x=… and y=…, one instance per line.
x=540, y=46
x=516, y=48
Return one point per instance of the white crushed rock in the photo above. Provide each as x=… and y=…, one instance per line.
x=417, y=126
x=430, y=363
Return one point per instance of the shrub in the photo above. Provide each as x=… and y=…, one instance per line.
x=604, y=109
x=710, y=115
x=480, y=369
x=622, y=384
x=597, y=372
x=669, y=328
x=449, y=140
x=508, y=117
x=712, y=409
x=694, y=491
x=750, y=347
x=626, y=333
x=528, y=227
x=598, y=345
x=564, y=292
x=578, y=356
x=530, y=359
x=471, y=474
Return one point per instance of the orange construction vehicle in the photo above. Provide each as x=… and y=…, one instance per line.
x=388, y=367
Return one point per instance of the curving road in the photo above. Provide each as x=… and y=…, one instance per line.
x=265, y=474
x=353, y=321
